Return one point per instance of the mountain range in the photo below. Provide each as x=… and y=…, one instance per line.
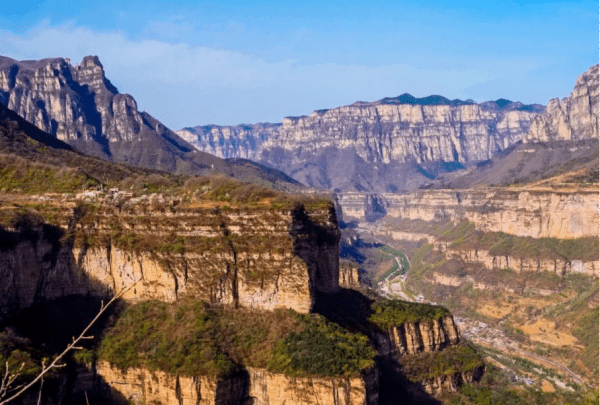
x=79, y=106
x=400, y=143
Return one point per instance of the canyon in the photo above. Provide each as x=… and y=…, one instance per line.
x=383, y=160
x=364, y=145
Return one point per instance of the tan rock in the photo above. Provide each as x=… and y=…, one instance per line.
x=573, y=117
x=519, y=212
x=138, y=386
x=425, y=336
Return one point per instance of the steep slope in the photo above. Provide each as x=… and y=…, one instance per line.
x=563, y=139
x=572, y=118
x=21, y=140
x=79, y=105
x=365, y=146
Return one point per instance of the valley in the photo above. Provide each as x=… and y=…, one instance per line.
x=410, y=250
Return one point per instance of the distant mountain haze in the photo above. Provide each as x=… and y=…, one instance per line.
x=394, y=144
x=79, y=105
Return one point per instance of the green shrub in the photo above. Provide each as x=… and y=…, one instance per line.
x=390, y=313
x=452, y=360
x=195, y=338
x=322, y=348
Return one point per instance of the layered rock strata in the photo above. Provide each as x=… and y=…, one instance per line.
x=490, y=261
x=363, y=146
x=572, y=118
x=451, y=383
x=256, y=258
x=425, y=336
x=79, y=105
x=252, y=386
x=519, y=212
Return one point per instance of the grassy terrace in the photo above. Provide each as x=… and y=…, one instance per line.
x=464, y=236
x=389, y=313
x=195, y=338
x=495, y=388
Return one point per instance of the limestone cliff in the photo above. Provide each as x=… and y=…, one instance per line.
x=253, y=386
x=521, y=212
x=365, y=145
x=572, y=118
x=79, y=105
x=256, y=258
x=424, y=336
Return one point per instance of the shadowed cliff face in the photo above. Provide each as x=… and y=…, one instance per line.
x=389, y=145
x=262, y=259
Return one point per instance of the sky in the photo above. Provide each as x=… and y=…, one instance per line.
x=229, y=62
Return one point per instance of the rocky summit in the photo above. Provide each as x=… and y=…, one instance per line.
x=364, y=146
x=80, y=106
x=572, y=118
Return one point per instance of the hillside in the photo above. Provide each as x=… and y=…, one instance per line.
x=562, y=141
x=79, y=105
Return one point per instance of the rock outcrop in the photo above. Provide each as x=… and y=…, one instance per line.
x=79, y=105
x=515, y=211
x=425, y=336
x=252, y=386
x=258, y=258
x=572, y=118
x=451, y=383
x=363, y=146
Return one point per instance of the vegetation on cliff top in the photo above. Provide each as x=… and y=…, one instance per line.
x=496, y=388
x=464, y=236
x=462, y=358
x=195, y=338
x=390, y=313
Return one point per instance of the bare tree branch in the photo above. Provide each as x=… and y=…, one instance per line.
x=8, y=380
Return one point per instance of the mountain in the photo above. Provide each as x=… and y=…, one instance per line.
x=20, y=139
x=80, y=106
x=572, y=118
x=562, y=141
x=393, y=144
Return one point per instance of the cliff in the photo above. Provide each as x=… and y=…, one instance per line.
x=254, y=386
x=572, y=118
x=79, y=105
x=257, y=258
x=361, y=146
x=424, y=336
x=517, y=211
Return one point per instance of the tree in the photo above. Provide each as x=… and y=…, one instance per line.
x=8, y=392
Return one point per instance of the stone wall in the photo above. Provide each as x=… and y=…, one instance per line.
x=425, y=336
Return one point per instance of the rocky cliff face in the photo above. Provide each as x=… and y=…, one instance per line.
x=425, y=336
x=362, y=146
x=79, y=105
x=261, y=258
x=572, y=118
x=253, y=386
x=515, y=211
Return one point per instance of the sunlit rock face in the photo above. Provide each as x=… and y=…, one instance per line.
x=261, y=259
x=537, y=214
x=374, y=146
x=80, y=106
x=70, y=102
x=572, y=118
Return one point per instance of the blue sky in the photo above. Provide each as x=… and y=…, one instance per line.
x=229, y=62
